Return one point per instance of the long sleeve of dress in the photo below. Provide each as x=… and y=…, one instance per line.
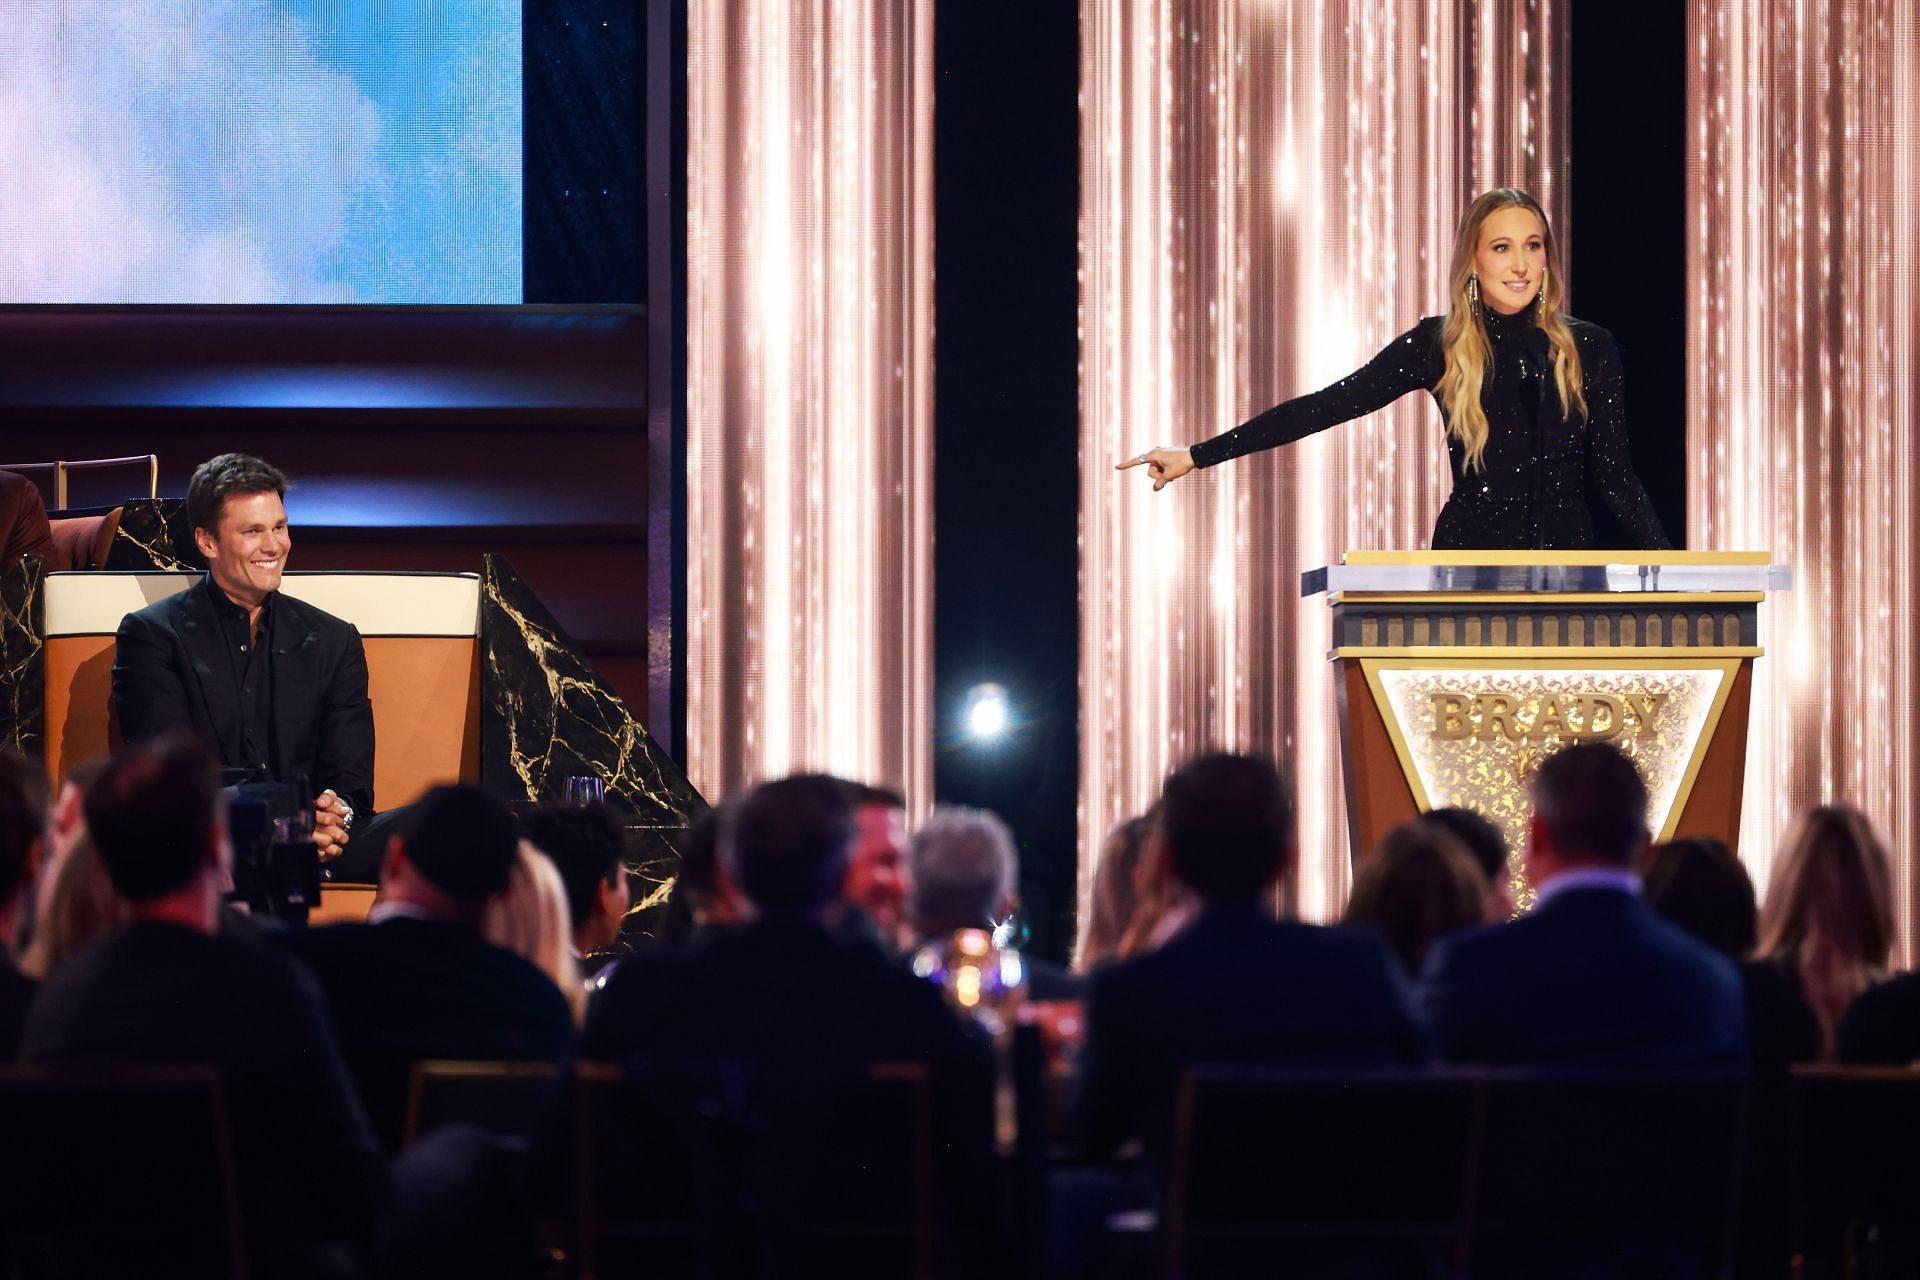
x=1609, y=462
x=1405, y=364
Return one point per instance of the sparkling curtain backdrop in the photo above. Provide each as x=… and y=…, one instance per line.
x=1803, y=315
x=809, y=391
x=1269, y=192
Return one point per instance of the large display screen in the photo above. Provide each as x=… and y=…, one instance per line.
x=260, y=151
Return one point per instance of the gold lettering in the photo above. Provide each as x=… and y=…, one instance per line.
x=1496, y=712
x=1643, y=710
x=1607, y=728
x=1450, y=717
x=1548, y=720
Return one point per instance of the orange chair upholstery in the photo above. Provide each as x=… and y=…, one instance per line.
x=421, y=632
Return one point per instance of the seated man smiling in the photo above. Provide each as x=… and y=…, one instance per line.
x=275, y=686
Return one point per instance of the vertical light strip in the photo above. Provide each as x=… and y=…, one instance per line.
x=809, y=391
x=1268, y=196
x=1803, y=290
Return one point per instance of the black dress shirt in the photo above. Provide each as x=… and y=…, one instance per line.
x=250, y=653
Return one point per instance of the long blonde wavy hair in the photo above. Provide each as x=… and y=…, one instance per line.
x=1463, y=340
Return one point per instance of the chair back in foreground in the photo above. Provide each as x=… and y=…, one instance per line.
x=126, y=1174
x=1856, y=1183
x=1594, y=1173
x=690, y=1169
x=504, y=1098
x=1277, y=1172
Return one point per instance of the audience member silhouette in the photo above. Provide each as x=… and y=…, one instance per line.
x=1697, y=883
x=587, y=848
x=169, y=988
x=1489, y=849
x=1420, y=885
x=1236, y=986
x=797, y=1009
x=418, y=980
x=23, y=839
x=1163, y=905
x=1592, y=977
x=1828, y=921
x=965, y=871
x=1114, y=895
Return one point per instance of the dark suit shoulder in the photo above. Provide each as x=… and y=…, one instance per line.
x=1883, y=1023
x=312, y=617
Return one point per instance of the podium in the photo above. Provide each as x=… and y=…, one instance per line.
x=1459, y=672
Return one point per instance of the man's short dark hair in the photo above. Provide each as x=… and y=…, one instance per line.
x=227, y=476
x=1482, y=839
x=863, y=795
x=463, y=840
x=1592, y=802
x=1228, y=825
x=23, y=818
x=585, y=844
x=787, y=842
x=151, y=814
x=1697, y=883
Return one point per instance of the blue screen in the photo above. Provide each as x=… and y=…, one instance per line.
x=260, y=151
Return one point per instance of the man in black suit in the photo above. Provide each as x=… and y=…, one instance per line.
x=1236, y=986
x=802, y=1009
x=1593, y=977
x=418, y=980
x=23, y=837
x=24, y=530
x=276, y=686
x=169, y=988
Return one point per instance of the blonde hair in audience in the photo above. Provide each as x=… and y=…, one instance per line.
x=1114, y=896
x=531, y=920
x=1829, y=910
x=75, y=904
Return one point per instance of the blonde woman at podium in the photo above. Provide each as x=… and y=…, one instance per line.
x=1531, y=398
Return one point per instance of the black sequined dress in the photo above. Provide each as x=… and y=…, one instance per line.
x=1542, y=468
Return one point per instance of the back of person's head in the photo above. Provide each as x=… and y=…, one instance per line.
x=463, y=841
x=1591, y=802
x=585, y=847
x=530, y=919
x=1697, y=883
x=785, y=843
x=23, y=820
x=1227, y=821
x=964, y=870
x=1420, y=885
x=1832, y=889
x=230, y=475
x=1481, y=839
x=1114, y=894
x=153, y=817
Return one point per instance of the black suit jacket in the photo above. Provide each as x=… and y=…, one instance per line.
x=159, y=994
x=171, y=670
x=24, y=530
x=16, y=993
x=1883, y=1024
x=1594, y=978
x=1236, y=987
x=408, y=989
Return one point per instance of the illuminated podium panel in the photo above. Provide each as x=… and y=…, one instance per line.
x=1458, y=673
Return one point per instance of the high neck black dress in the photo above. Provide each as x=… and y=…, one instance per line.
x=1541, y=469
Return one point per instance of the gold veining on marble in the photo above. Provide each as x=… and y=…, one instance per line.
x=22, y=651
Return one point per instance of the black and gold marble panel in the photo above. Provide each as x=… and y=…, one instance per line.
x=23, y=684
x=154, y=534
x=546, y=715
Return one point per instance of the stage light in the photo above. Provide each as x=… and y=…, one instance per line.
x=989, y=715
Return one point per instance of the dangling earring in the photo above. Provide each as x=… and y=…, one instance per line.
x=1473, y=295
x=1540, y=303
